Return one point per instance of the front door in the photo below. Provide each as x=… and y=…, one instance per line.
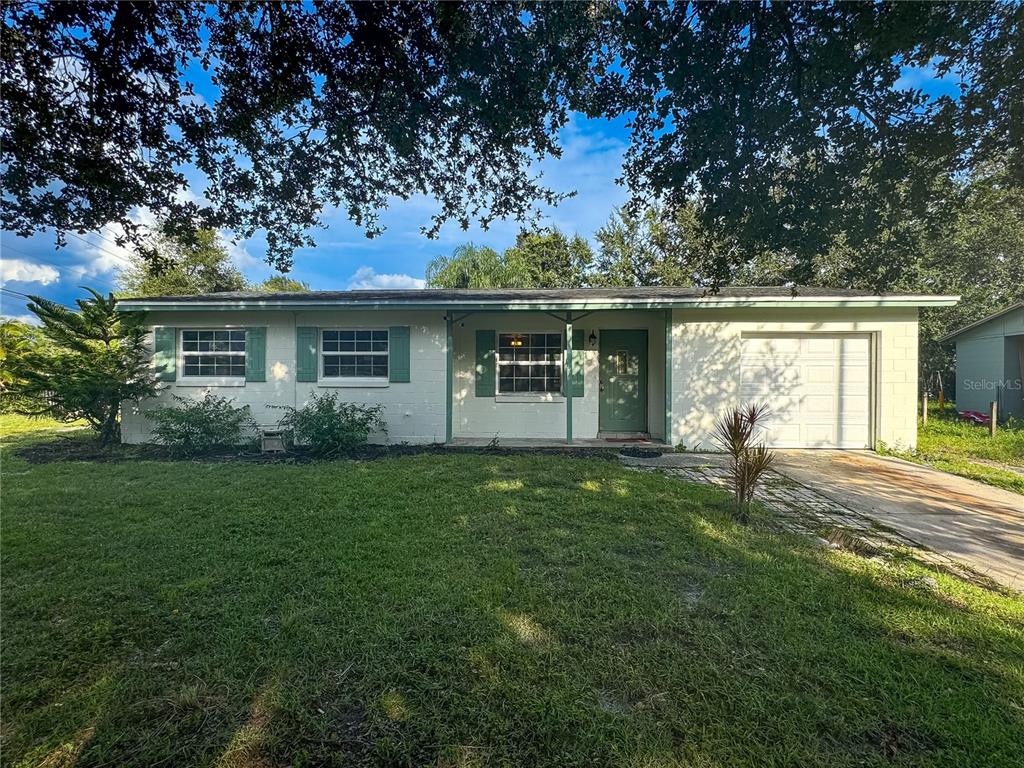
x=623, y=405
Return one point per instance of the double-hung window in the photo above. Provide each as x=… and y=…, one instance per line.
x=213, y=353
x=529, y=362
x=354, y=354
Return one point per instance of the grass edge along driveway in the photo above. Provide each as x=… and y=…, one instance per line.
x=472, y=610
x=952, y=445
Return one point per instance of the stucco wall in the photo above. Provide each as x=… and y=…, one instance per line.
x=414, y=411
x=706, y=346
x=544, y=416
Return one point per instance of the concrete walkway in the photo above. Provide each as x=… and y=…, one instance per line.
x=956, y=520
x=975, y=523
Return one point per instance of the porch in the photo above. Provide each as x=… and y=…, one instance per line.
x=533, y=378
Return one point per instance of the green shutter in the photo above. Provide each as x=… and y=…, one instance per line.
x=398, y=353
x=165, y=352
x=306, y=363
x=576, y=375
x=255, y=354
x=485, y=363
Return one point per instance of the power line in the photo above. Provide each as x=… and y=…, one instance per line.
x=65, y=268
x=100, y=248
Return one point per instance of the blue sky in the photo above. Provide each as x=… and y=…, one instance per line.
x=344, y=257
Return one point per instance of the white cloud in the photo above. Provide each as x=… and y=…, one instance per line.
x=28, y=319
x=22, y=271
x=101, y=253
x=367, y=279
x=240, y=255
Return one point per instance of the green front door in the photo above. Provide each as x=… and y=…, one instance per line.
x=623, y=405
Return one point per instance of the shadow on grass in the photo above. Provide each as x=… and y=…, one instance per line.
x=469, y=609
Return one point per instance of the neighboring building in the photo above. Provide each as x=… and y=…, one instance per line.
x=990, y=363
x=838, y=368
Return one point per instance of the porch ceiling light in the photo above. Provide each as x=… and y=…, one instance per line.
x=592, y=338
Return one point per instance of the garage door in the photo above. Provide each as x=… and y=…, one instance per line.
x=817, y=387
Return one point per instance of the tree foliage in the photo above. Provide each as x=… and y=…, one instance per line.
x=181, y=267
x=337, y=104
x=282, y=284
x=470, y=266
x=17, y=339
x=94, y=361
x=546, y=258
x=542, y=258
x=787, y=124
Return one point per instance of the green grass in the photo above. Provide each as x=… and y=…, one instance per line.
x=472, y=610
x=966, y=449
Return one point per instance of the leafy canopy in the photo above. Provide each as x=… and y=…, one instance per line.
x=323, y=104
x=786, y=124
x=199, y=264
x=542, y=258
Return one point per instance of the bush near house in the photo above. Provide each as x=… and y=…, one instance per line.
x=325, y=427
x=196, y=427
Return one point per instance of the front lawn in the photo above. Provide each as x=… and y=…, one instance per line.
x=965, y=449
x=464, y=610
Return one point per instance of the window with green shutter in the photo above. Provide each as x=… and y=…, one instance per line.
x=399, y=353
x=165, y=353
x=306, y=358
x=255, y=354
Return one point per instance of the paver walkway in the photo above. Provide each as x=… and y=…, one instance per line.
x=799, y=507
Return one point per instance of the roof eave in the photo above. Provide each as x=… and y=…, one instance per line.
x=706, y=302
x=977, y=323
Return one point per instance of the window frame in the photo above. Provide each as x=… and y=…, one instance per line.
x=352, y=381
x=546, y=395
x=185, y=379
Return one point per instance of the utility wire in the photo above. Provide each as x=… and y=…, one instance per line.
x=64, y=268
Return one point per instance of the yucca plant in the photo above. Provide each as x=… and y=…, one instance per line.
x=737, y=433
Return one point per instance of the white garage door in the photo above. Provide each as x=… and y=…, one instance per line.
x=817, y=387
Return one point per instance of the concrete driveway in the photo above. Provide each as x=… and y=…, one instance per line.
x=975, y=523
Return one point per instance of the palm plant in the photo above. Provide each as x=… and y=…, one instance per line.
x=737, y=432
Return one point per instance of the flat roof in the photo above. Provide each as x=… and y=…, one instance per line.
x=537, y=299
x=976, y=323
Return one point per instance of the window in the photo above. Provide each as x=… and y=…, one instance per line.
x=354, y=354
x=213, y=353
x=529, y=362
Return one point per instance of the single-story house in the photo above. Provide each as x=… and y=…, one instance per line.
x=838, y=368
x=990, y=363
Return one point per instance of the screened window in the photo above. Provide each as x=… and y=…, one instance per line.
x=213, y=353
x=529, y=362
x=354, y=354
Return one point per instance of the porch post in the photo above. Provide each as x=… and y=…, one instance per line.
x=567, y=379
x=448, y=380
x=668, y=376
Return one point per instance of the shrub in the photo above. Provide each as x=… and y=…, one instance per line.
x=195, y=427
x=736, y=433
x=326, y=427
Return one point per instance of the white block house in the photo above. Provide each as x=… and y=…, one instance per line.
x=838, y=369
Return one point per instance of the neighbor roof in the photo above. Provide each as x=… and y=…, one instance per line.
x=551, y=299
x=989, y=319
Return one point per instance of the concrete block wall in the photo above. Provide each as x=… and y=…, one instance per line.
x=706, y=349
x=543, y=416
x=414, y=411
